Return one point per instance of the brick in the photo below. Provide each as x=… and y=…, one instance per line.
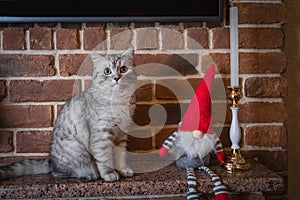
x=3, y=25
x=26, y=65
x=262, y=112
x=261, y=38
x=221, y=113
x=75, y=64
x=140, y=115
x=95, y=24
x=26, y=26
x=249, y=63
x=166, y=65
x=59, y=107
x=169, y=24
x=221, y=38
x=221, y=60
x=275, y=160
x=120, y=38
x=262, y=13
x=162, y=135
x=260, y=87
x=194, y=82
x=197, y=38
x=94, y=38
x=33, y=141
x=119, y=25
x=224, y=136
x=176, y=89
x=2, y=89
x=47, y=24
x=173, y=113
x=192, y=24
x=14, y=38
x=41, y=38
x=214, y=24
x=257, y=38
x=71, y=25
x=87, y=84
x=139, y=140
x=218, y=90
x=39, y=91
x=169, y=36
x=173, y=89
x=147, y=38
x=144, y=92
x=67, y=39
x=262, y=63
x=228, y=142
x=144, y=24
x=266, y=136
x=6, y=138
x=25, y=116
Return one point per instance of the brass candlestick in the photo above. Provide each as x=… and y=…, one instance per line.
x=235, y=160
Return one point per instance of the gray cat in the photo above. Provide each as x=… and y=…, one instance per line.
x=89, y=136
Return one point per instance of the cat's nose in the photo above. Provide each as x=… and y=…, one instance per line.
x=117, y=78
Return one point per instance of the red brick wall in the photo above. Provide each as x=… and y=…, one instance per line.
x=44, y=64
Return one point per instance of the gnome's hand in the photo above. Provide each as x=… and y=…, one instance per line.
x=163, y=151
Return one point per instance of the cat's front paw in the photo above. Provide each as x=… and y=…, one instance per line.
x=111, y=177
x=91, y=177
x=128, y=172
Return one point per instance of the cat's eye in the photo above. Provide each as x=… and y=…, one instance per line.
x=107, y=71
x=123, y=69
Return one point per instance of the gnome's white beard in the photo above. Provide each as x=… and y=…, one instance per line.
x=196, y=147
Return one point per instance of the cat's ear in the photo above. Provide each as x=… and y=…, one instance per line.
x=96, y=57
x=128, y=53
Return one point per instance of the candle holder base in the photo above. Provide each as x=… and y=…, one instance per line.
x=236, y=162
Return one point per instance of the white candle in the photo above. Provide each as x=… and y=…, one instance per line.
x=234, y=45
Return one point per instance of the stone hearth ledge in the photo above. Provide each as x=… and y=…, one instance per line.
x=168, y=181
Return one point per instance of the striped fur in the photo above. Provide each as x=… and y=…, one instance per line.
x=89, y=135
x=25, y=167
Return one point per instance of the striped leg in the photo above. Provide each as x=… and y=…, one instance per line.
x=192, y=184
x=219, y=189
x=168, y=143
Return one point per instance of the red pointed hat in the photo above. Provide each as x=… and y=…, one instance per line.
x=198, y=114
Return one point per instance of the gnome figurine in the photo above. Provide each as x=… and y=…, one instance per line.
x=195, y=140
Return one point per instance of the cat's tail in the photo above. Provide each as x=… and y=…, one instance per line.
x=25, y=167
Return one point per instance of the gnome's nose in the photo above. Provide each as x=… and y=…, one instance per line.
x=197, y=134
